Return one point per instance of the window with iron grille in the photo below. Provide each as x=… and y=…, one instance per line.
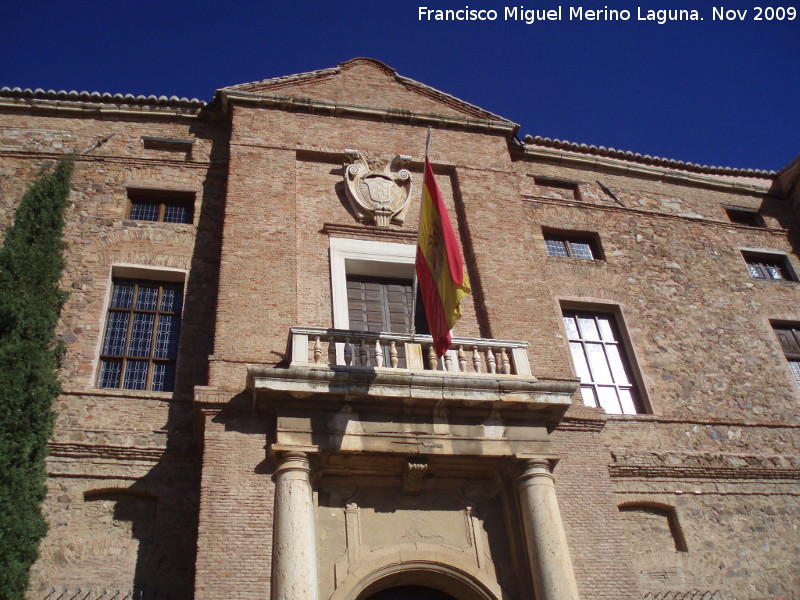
x=166, y=207
x=140, y=345
x=789, y=337
x=601, y=362
x=768, y=266
x=572, y=245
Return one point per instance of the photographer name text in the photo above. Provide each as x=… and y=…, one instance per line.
x=661, y=16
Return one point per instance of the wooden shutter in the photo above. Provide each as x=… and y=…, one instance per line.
x=789, y=342
x=378, y=305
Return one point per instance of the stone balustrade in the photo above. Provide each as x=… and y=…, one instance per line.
x=311, y=346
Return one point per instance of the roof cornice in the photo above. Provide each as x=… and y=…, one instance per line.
x=229, y=96
x=96, y=104
x=680, y=173
x=537, y=141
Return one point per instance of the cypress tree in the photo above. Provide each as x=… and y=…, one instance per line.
x=31, y=262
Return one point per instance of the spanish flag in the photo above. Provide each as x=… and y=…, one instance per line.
x=440, y=270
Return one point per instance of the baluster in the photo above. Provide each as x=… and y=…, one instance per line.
x=331, y=350
x=378, y=354
x=505, y=361
x=317, y=350
x=476, y=360
x=448, y=361
x=462, y=359
x=348, y=352
x=393, y=360
x=490, y=360
x=433, y=361
x=363, y=353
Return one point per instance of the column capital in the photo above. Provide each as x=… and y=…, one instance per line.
x=535, y=467
x=293, y=461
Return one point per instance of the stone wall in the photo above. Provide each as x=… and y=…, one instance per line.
x=124, y=478
x=174, y=491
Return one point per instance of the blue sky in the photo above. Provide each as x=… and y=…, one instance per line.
x=716, y=93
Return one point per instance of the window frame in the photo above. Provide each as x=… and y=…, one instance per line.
x=163, y=199
x=365, y=258
x=573, y=237
x=792, y=356
x=762, y=261
x=740, y=215
x=140, y=275
x=628, y=363
x=558, y=183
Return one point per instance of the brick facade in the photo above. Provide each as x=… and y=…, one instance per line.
x=173, y=493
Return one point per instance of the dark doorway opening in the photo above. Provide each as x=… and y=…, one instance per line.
x=411, y=592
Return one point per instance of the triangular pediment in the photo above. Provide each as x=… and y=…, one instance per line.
x=367, y=82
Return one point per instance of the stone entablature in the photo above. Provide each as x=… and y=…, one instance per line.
x=349, y=409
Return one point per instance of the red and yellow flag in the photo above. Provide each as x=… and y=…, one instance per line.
x=440, y=270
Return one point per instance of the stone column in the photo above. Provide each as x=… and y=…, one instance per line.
x=294, y=542
x=551, y=566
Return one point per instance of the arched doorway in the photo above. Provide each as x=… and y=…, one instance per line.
x=418, y=580
x=411, y=592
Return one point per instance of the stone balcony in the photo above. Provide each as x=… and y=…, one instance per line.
x=387, y=372
x=340, y=347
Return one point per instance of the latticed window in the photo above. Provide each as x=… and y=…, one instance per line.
x=763, y=266
x=571, y=246
x=140, y=345
x=601, y=362
x=174, y=208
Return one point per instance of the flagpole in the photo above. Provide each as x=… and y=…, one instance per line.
x=414, y=286
x=414, y=306
x=428, y=143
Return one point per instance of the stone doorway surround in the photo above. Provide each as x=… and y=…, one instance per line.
x=379, y=482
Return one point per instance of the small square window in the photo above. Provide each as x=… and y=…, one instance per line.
x=745, y=216
x=165, y=207
x=773, y=267
x=572, y=245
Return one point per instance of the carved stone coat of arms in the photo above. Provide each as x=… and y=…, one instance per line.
x=378, y=190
